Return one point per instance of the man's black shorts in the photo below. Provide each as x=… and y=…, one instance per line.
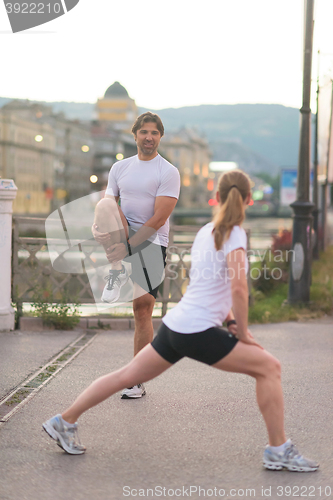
x=208, y=346
x=148, y=261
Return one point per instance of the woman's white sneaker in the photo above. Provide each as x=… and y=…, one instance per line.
x=289, y=459
x=66, y=436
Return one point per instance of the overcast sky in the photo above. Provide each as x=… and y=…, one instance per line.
x=167, y=53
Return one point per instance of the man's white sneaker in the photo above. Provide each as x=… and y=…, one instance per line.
x=135, y=392
x=115, y=281
x=289, y=459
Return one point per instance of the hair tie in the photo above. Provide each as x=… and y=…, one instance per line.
x=233, y=186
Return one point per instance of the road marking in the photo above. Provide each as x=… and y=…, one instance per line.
x=30, y=386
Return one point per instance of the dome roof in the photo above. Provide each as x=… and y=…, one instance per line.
x=116, y=90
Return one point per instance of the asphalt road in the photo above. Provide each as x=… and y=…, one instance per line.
x=196, y=427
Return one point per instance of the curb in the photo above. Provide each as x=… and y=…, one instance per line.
x=36, y=324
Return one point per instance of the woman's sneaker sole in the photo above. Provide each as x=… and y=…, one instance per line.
x=289, y=459
x=291, y=468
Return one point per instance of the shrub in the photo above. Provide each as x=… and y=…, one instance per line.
x=62, y=315
x=282, y=241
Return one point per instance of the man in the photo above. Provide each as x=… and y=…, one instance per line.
x=138, y=231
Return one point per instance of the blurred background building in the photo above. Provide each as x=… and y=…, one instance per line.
x=54, y=160
x=48, y=156
x=110, y=145
x=117, y=107
x=190, y=153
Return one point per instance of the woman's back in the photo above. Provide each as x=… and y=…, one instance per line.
x=207, y=300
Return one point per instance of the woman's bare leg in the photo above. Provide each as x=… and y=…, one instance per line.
x=266, y=369
x=147, y=365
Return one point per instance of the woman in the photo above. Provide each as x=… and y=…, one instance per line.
x=217, y=283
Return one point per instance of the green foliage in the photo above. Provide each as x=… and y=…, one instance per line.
x=18, y=313
x=62, y=315
x=269, y=305
x=268, y=274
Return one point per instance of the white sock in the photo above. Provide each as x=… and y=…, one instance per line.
x=280, y=448
x=67, y=423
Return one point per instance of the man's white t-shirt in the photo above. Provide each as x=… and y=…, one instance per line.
x=138, y=183
x=207, y=300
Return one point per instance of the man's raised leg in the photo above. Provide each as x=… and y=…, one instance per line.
x=110, y=227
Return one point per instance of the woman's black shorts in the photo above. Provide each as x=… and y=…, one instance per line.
x=208, y=346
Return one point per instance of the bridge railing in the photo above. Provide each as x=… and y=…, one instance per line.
x=32, y=269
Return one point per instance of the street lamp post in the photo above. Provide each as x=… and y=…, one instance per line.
x=300, y=266
x=324, y=185
x=315, y=213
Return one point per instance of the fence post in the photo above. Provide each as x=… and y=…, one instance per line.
x=8, y=192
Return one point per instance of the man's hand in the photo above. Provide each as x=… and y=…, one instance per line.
x=102, y=238
x=116, y=252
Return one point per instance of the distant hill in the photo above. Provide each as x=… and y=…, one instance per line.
x=260, y=137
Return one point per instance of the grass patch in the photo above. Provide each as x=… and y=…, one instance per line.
x=269, y=307
x=62, y=315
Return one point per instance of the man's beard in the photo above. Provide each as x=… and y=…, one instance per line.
x=147, y=151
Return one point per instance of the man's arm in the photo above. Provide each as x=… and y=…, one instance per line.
x=115, y=198
x=163, y=208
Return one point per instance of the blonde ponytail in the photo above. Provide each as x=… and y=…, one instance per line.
x=233, y=189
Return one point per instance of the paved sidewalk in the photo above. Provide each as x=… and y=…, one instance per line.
x=196, y=427
x=22, y=353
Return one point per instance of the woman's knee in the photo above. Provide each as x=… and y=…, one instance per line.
x=125, y=376
x=272, y=366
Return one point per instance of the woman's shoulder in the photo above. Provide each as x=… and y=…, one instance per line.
x=204, y=232
x=207, y=228
x=238, y=230
x=237, y=234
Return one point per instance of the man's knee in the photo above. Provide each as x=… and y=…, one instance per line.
x=143, y=309
x=105, y=207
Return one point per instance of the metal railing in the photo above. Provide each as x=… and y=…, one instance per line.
x=32, y=269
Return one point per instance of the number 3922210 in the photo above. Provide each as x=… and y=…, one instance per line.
x=32, y=8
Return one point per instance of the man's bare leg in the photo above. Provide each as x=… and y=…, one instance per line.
x=143, y=307
x=110, y=219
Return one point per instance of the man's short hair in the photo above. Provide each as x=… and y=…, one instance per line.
x=146, y=118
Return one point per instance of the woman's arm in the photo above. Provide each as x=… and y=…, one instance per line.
x=236, y=261
x=233, y=326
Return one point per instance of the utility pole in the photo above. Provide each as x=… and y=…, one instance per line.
x=300, y=266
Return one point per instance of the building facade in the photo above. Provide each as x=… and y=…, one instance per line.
x=110, y=146
x=54, y=160
x=117, y=107
x=190, y=153
x=48, y=157
x=27, y=160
